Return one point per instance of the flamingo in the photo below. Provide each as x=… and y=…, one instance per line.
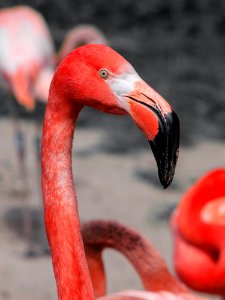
x=95, y=76
x=26, y=62
x=26, y=54
x=151, y=267
x=26, y=70
x=198, y=227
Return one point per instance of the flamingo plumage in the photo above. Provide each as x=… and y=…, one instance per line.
x=95, y=76
x=26, y=54
x=199, y=241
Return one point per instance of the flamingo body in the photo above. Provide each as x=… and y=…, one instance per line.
x=26, y=54
x=198, y=227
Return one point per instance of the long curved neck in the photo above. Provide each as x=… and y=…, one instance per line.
x=60, y=203
x=149, y=264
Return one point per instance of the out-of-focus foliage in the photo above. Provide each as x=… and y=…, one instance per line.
x=177, y=46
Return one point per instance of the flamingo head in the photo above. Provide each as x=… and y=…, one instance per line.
x=97, y=76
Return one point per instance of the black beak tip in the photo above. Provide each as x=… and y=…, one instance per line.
x=165, y=148
x=165, y=182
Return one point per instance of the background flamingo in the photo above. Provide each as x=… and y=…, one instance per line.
x=198, y=228
x=95, y=76
x=26, y=58
x=151, y=267
x=26, y=68
x=26, y=54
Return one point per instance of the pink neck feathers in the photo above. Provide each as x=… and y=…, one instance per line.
x=60, y=203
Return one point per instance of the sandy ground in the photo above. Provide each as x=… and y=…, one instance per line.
x=108, y=187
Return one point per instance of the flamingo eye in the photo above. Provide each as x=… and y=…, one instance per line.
x=104, y=73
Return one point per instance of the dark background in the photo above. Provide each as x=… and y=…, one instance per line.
x=177, y=46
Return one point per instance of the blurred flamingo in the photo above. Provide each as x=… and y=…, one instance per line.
x=26, y=61
x=26, y=54
x=199, y=233
x=150, y=266
x=26, y=69
x=95, y=76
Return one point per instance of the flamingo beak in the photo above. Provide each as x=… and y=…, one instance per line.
x=155, y=117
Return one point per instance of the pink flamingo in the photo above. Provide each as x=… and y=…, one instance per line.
x=26, y=61
x=26, y=54
x=198, y=226
x=26, y=70
x=96, y=76
x=151, y=267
